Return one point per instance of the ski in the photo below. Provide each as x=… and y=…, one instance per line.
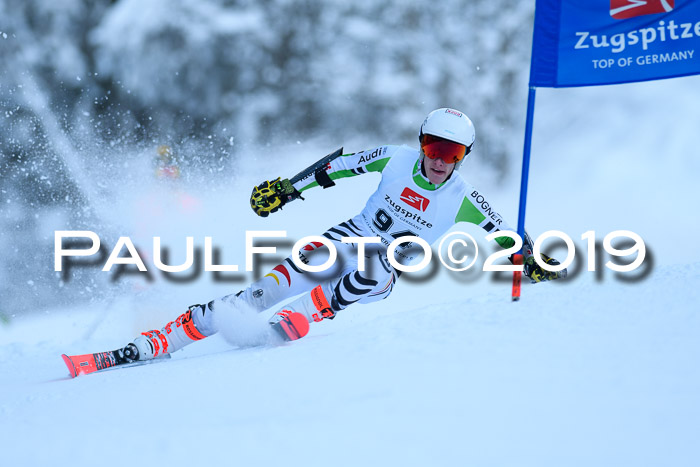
x=290, y=326
x=102, y=361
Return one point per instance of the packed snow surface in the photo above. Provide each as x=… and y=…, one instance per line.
x=583, y=374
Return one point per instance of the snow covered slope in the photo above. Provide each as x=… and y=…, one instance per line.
x=447, y=371
x=583, y=374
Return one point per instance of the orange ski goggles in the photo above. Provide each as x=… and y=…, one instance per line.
x=438, y=148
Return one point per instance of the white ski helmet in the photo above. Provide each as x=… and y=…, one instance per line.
x=449, y=124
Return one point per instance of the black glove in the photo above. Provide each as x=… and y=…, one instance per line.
x=270, y=196
x=537, y=274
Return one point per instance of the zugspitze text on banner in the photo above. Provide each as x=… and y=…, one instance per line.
x=593, y=42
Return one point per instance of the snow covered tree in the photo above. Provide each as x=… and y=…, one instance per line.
x=85, y=82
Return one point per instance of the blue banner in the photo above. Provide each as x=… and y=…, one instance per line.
x=594, y=42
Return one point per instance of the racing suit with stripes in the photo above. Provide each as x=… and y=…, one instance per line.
x=405, y=203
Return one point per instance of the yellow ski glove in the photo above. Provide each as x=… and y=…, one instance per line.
x=537, y=274
x=270, y=196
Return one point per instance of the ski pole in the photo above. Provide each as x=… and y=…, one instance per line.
x=313, y=168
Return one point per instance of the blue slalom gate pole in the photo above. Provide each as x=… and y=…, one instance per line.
x=518, y=259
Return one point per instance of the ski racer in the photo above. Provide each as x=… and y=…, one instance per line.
x=420, y=194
